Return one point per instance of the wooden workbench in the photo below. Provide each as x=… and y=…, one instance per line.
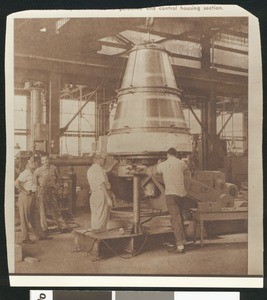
x=240, y=213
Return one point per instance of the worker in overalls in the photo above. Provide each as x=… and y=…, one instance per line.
x=173, y=170
x=101, y=195
x=46, y=177
x=28, y=208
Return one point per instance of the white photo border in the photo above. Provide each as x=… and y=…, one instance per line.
x=255, y=210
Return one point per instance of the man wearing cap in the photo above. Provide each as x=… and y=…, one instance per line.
x=28, y=209
x=100, y=200
x=45, y=178
x=173, y=170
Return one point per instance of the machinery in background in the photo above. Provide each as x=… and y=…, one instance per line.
x=66, y=193
x=38, y=142
x=37, y=136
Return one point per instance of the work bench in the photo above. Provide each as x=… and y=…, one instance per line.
x=200, y=217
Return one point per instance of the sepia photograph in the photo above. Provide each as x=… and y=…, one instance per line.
x=129, y=145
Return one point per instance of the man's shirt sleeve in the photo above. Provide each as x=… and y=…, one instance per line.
x=160, y=168
x=36, y=172
x=56, y=172
x=184, y=166
x=35, y=176
x=95, y=177
x=22, y=177
x=100, y=176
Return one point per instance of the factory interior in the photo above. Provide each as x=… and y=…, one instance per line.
x=131, y=88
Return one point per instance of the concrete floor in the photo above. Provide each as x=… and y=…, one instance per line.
x=223, y=255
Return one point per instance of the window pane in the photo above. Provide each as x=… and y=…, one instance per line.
x=21, y=140
x=87, y=123
x=89, y=108
x=69, y=145
x=87, y=144
x=191, y=121
x=88, y=117
x=69, y=108
x=20, y=106
x=20, y=119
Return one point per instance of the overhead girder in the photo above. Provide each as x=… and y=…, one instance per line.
x=89, y=73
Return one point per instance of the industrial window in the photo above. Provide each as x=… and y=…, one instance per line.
x=20, y=107
x=191, y=121
x=80, y=134
x=233, y=132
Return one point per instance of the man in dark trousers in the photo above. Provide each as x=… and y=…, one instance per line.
x=28, y=209
x=173, y=175
x=46, y=177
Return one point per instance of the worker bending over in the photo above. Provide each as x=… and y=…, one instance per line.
x=173, y=175
x=46, y=177
x=28, y=208
x=101, y=196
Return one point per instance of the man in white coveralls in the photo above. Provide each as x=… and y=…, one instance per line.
x=101, y=197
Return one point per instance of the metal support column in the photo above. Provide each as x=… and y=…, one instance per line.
x=206, y=46
x=245, y=130
x=212, y=131
x=205, y=65
x=37, y=115
x=209, y=107
x=96, y=118
x=79, y=121
x=136, y=204
x=28, y=123
x=54, y=113
x=204, y=134
x=209, y=132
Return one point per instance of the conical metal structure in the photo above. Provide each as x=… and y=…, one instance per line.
x=149, y=118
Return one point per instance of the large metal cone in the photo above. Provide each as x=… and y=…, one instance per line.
x=149, y=118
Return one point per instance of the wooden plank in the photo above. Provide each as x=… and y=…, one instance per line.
x=221, y=216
